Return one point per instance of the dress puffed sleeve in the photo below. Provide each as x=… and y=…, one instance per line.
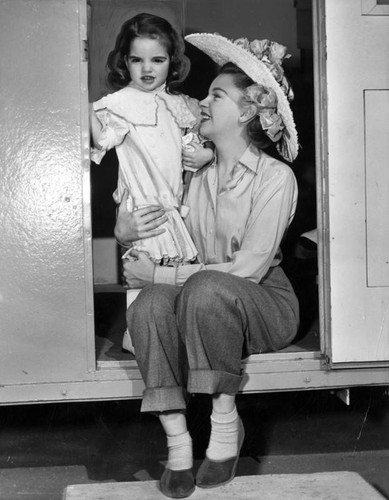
x=113, y=131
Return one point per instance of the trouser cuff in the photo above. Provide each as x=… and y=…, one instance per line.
x=213, y=381
x=157, y=399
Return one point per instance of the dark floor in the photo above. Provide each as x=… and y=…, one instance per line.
x=46, y=447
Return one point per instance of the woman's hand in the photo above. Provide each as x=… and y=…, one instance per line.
x=142, y=223
x=139, y=272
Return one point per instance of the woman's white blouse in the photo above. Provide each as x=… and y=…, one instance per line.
x=239, y=229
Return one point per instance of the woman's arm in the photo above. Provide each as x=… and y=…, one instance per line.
x=132, y=226
x=142, y=223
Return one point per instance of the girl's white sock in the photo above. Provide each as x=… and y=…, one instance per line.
x=223, y=443
x=180, y=452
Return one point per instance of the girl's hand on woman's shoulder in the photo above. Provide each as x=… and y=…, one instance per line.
x=139, y=224
x=196, y=157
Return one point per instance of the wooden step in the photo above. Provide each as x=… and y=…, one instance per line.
x=318, y=486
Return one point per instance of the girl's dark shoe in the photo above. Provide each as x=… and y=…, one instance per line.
x=214, y=473
x=177, y=483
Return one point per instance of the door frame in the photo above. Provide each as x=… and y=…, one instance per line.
x=322, y=190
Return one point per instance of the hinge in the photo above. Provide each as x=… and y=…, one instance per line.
x=84, y=50
x=343, y=395
x=325, y=362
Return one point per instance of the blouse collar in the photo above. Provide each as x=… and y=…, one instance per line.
x=249, y=159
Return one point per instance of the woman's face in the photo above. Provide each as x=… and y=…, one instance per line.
x=148, y=63
x=222, y=109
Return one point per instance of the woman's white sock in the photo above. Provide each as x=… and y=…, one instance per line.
x=180, y=452
x=223, y=443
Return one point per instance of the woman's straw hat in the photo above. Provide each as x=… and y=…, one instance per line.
x=222, y=50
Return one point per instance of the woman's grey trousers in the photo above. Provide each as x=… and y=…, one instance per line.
x=192, y=339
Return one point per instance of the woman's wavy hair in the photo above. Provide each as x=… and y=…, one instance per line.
x=254, y=127
x=149, y=26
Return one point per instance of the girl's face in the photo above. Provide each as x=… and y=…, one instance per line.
x=222, y=109
x=148, y=63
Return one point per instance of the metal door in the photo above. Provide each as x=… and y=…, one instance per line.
x=46, y=316
x=357, y=183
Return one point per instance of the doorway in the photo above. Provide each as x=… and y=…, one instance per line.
x=293, y=28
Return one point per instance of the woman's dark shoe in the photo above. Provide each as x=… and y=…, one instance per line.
x=177, y=483
x=214, y=473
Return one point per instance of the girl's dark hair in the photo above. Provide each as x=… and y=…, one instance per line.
x=149, y=26
x=254, y=127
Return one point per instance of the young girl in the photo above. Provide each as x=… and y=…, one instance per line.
x=146, y=119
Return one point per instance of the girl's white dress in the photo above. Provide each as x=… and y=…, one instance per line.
x=146, y=128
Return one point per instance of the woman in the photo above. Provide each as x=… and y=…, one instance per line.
x=192, y=325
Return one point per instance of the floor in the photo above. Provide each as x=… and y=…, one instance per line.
x=46, y=447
